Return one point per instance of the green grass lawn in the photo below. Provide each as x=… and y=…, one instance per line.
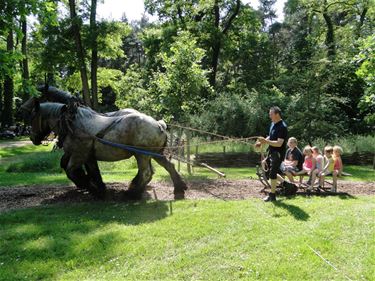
x=200, y=240
x=197, y=239
x=38, y=165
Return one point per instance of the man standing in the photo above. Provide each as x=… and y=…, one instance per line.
x=277, y=145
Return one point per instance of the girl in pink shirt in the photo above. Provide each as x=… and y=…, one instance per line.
x=309, y=163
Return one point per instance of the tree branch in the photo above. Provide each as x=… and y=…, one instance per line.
x=230, y=20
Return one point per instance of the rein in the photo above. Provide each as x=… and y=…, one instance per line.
x=128, y=147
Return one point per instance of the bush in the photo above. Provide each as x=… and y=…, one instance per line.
x=349, y=144
x=233, y=114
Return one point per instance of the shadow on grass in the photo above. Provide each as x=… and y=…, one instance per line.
x=295, y=211
x=341, y=195
x=60, y=234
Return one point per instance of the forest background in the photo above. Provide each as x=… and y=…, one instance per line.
x=214, y=65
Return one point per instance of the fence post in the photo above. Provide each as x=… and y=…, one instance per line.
x=188, y=152
x=179, y=149
x=171, y=137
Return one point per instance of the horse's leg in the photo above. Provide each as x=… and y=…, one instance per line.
x=77, y=176
x=178, y=183
x=95, y=178
x=143, y=177
x=75, y=172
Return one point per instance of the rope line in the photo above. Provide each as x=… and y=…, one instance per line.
x=225, y=139
x=212, y=134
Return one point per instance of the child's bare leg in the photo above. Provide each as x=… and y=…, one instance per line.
x=264, y=165
x=313, y=178
x=280, y=178
x=290, y=176
x=334, y=180
x=321, y=180
x=302, y=172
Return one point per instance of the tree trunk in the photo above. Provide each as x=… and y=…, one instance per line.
x=215, y=62
x=7, y=116
x=1, y=98
x=330, y=37
x=94, y=55
x=25, y=64
x=361, y=21
x=219, y=33
x=80, y=53
x=216, y=43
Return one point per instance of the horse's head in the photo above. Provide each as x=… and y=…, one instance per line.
x=39, y=128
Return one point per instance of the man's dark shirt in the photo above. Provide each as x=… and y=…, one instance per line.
x=278, y=130
x=297, y=155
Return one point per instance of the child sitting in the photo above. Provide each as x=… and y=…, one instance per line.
x=333, y=165
x=337, y=167
x=309, y=164
x=293, y=159
x=289, y=164
x=319, y=165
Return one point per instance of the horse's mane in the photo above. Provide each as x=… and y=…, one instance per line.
x=55, y=95
x=51, y=109
x=86, y=112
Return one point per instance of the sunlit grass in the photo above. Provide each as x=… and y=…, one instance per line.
x=200, y=240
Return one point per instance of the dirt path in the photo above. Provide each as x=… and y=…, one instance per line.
x=30, y=196
x=7, y=144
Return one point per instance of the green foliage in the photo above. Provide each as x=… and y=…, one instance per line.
x=367, y=72
x=241, y=116
x=176, y=89
x=320, y=58
x=132, y=91
x=349, y=144
x=182, y=82
x=110, y=39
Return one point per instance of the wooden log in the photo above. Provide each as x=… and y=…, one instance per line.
x=202, y=165
x=213, y=170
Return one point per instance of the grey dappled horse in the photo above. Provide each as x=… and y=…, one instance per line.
x=52, y=94
x=82, y=148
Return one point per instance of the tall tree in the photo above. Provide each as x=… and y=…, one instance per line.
x=7, y=116
x=25, y=63
x=221, y=25
x=94, y=55
x=79, y=50
x=209, y=20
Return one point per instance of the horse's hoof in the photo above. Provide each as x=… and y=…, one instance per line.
x=179, y=195
x=101, y=194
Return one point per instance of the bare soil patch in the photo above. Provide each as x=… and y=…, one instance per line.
x=31, y=196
